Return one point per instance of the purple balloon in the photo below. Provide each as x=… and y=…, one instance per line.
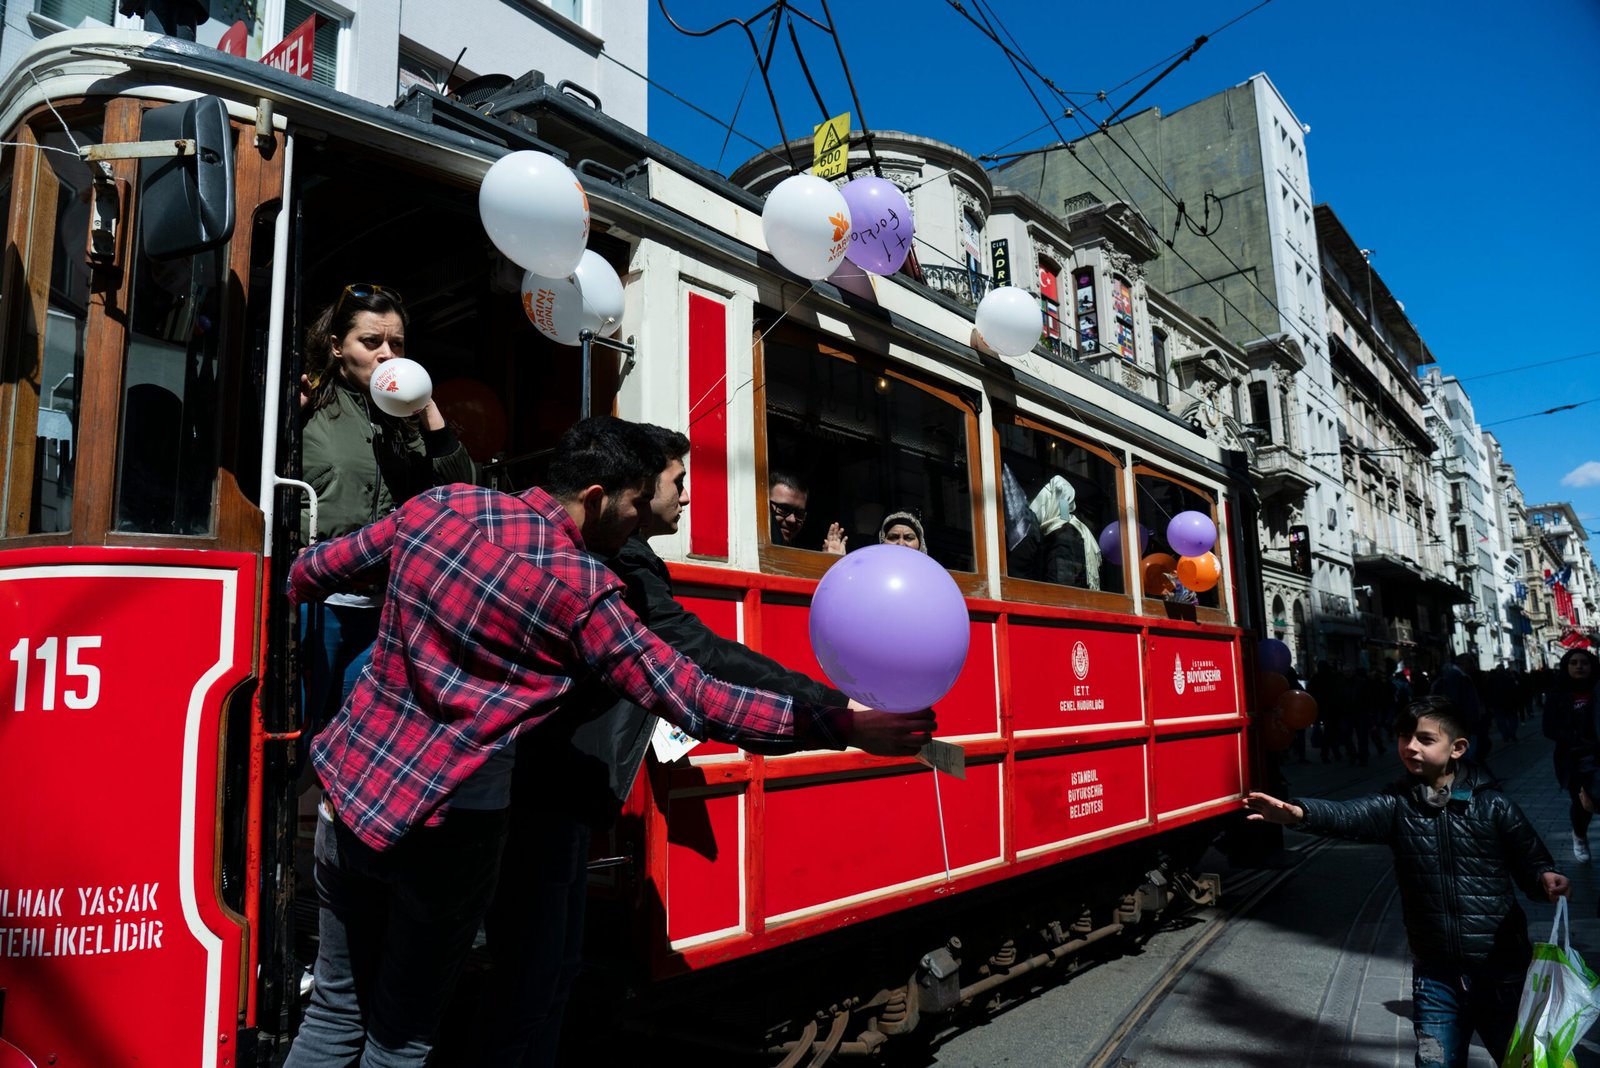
x=1191, y=534
x=880, y=225
x=1274, y=656
x=1111, y=541
x=890, y=627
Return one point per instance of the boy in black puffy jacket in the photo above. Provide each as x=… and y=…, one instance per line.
x=1458, y=844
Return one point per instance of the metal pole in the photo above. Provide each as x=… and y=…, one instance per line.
x=585, y=338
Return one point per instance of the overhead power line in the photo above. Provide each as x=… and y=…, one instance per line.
x=1527, y=366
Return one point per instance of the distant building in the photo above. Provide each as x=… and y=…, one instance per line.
x=1462, y=465
x=1569, y=591
x=1402, y=590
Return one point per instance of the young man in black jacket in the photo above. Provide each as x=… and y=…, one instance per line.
x=1458, y=840
x=537, y=918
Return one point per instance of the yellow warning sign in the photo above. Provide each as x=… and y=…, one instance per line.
x=830, y=152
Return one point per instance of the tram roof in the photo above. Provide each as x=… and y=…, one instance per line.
x=111, y=62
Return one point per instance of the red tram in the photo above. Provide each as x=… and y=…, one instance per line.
x=151, y=827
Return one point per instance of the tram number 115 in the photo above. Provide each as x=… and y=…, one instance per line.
x=84, y=695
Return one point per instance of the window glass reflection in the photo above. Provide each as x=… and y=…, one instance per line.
x=1159, y=500
x=848, y=446
x=1058, y=497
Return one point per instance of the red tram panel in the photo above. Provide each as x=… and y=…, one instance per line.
x=114, y=944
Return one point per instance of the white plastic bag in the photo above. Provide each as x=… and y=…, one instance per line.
x=1560, y=1001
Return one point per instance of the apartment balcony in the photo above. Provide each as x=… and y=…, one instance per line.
x=1282, y=472
x=1334, y=614
x=968, y=287
x=1335, y=604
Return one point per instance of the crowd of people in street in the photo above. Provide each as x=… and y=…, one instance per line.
x=1357, y=706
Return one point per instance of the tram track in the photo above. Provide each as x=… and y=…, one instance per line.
x=1256, y=889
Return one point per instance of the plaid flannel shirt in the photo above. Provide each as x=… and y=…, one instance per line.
x=493, y=613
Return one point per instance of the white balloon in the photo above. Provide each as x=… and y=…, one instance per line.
x=807, y=225
x=589, y=298
x=1009, y=321
x=536, y=212
x=603, y=301
x=401, y=387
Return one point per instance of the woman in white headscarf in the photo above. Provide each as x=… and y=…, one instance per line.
x=1070, y=554
x=902, y=528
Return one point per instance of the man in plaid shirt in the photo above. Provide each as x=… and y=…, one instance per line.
x=496, y=619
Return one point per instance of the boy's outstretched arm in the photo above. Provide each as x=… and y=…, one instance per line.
x=1364, y=819
x=1266, y=807
x=1526, y=854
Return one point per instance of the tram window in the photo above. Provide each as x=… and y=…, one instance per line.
x=51, y=366
x=1161, y=498
x=864, y=443
x=1057, y=496
x=168, y=454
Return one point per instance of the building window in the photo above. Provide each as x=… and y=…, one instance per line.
x=971, y=234
x=1260, y=411
x=417, y=69
x=1050, y=302
x=1122, y=313
x=1158, y=349
x=576, y=10
x=75, y=13
x=324, y=42
x=1087, y=310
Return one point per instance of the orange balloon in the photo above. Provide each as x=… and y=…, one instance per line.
x=1273, y=686
x=1155, y=568
x=1276, y=735
x=476, y=413
x=1199, y=573
x=1299, y=709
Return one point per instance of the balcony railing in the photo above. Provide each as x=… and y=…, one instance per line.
x=1335, y=604
x=969, y=287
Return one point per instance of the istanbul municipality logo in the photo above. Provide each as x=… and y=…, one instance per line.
x=1080, y=660
x=1177, y=673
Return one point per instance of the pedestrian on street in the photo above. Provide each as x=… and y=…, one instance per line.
x=1326, y=688
x=1569, y=720
x=1457, y=684
x=497, y=622
x=1461, y=848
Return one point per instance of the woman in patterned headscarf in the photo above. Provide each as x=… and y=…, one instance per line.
x=1070, y=554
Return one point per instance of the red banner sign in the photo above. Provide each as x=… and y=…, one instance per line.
x=293, y=54
x=1192, y=677
x=114, y=945
x=1065, y=676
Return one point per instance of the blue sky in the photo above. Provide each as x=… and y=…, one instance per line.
x=1459, y=140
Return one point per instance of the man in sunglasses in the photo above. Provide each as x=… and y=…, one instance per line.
x=498, y=619
x=561, y=792
x=786, y=503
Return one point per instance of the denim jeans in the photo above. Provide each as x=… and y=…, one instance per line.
x=1449, y=1004
x=338, y=642
x=394, y=929
x=535, y=938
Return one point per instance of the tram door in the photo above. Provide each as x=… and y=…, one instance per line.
x=131, y=389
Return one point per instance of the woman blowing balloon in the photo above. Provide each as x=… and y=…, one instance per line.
x=362, y=464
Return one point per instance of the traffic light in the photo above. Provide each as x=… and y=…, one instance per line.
x=1300, y=549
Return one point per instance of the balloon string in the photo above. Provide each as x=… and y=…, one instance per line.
x=944, y=842
x=718, y=383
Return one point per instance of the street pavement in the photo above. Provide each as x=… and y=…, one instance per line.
x=1314, y=972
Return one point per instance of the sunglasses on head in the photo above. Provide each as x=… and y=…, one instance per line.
x=363, y=290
